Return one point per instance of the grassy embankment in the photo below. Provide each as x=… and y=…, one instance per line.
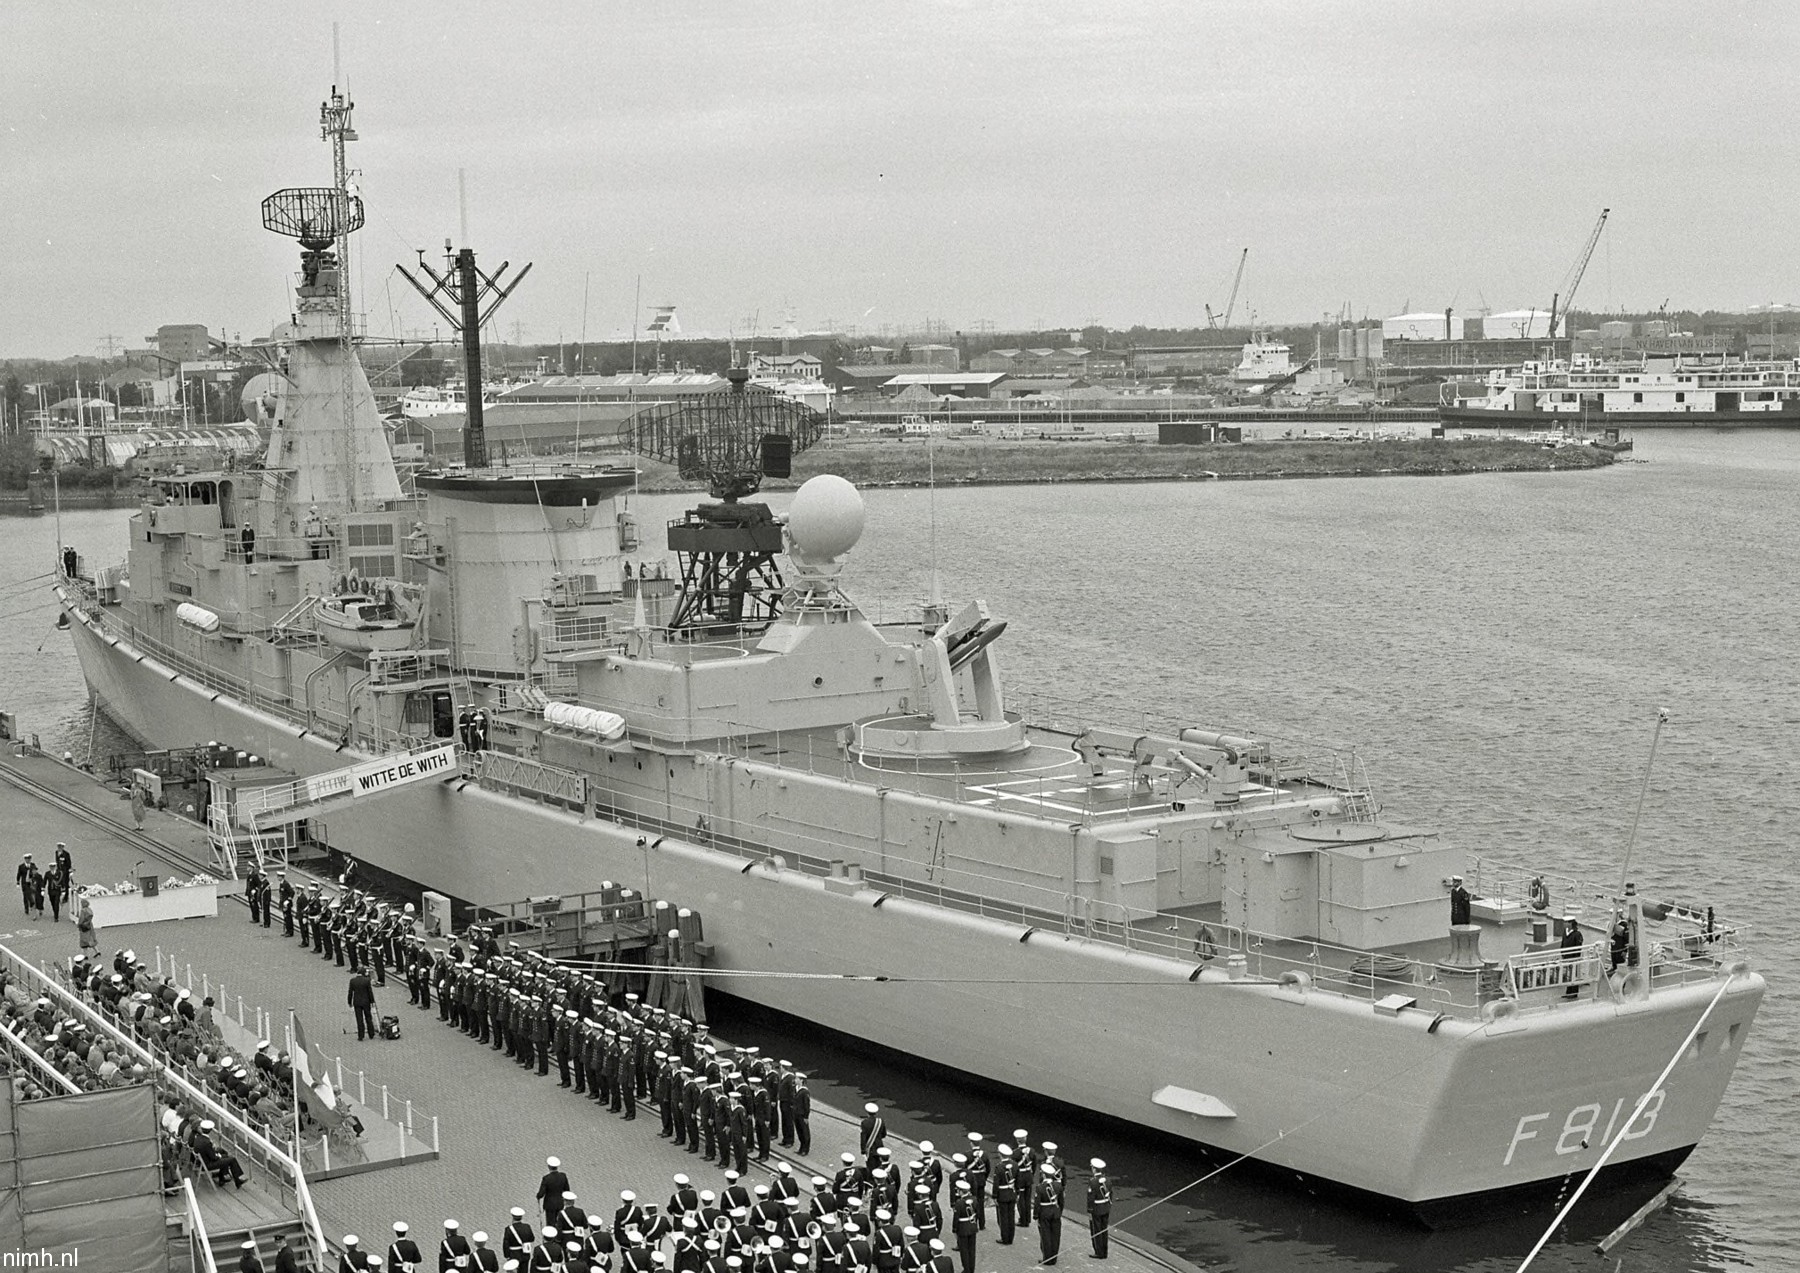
x=983, y=463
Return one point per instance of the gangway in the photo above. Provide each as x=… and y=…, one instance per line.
x=272, y=806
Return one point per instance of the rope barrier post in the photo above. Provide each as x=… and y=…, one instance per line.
x=398, y=1128
x=434, y=1133
x=362, y=1089
x=384, y=1107
x=409, y=1114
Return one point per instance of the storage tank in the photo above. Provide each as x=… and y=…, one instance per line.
x=1518, y=324
x=1422, y=327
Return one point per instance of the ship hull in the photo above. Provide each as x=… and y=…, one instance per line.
x=1429, y=1114
x=1483, y=418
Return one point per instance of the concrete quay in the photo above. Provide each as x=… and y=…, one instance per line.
x=496, y=1122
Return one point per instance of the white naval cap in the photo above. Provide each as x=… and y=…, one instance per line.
x=1097, y=1164
x=553, y=1163
x=400, y=1226
x=871, y=1108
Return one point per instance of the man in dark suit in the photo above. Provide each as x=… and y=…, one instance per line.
x=362, y=1001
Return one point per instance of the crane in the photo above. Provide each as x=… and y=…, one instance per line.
x=1215, y=321
x=1572, y=280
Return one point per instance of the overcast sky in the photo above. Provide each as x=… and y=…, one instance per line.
x=881, y=164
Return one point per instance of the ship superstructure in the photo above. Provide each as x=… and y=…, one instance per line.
x=1206, y=932
x=1659, y=389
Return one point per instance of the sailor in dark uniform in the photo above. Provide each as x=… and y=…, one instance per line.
x=483, y=1258
x=1099, y=1206
x=453, y=1249
x=1047, y=1203
x=403, y=1253
x=1006, y=1191
x=516, y=1239
x=873, y=1132
x=552, y=1188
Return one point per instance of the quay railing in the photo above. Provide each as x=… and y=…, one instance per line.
x=27, y=1058
x=236, y=1133
x=405, y=1116
x=198, y=1241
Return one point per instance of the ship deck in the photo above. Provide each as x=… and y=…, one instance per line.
x=498, y=1123
x=1046, y=780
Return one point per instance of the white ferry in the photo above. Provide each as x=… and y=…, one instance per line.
x=1661, y=389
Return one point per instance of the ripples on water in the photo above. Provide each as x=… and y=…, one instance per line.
x=1496, y=647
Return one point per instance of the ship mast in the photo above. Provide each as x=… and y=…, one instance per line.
x=335, y=127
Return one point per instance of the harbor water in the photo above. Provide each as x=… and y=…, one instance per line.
x=1496, y=647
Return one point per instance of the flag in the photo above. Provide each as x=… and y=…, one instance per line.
x=312, y=1083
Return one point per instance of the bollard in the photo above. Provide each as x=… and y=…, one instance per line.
x=190, y=978
x=340, y=1073
x=409, y=1114
x=384, y=1109
x=434, y=1133
x=362, y=1089
x=402, y=1132
x=325, y=1149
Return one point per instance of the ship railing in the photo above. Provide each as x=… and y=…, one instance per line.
x=278, y=548
x=530, y=777
x=1554, y=970
x=1344, y=970
x=1595, y=905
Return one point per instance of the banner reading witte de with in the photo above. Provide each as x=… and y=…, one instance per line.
x=374, y=776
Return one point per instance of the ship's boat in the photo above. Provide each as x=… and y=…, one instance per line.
x=354, y=621
x=1215, y=934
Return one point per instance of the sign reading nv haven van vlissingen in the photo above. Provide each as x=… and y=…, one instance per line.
x=380, y=775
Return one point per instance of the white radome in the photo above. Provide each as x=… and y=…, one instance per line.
x=826, y=518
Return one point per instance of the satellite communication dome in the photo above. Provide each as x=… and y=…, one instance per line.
x=258, y=398
x=826, y=518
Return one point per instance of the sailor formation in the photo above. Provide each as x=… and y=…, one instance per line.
x=849, y=1224
x=727, y=1105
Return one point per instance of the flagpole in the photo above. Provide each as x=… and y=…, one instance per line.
x=294, y=1075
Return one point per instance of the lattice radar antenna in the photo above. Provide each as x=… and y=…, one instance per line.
x=316, y=215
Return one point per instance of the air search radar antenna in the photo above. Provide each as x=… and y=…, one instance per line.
x=730, y=439
x=319, y=216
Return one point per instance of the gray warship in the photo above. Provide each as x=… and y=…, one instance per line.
x=1192, y=929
